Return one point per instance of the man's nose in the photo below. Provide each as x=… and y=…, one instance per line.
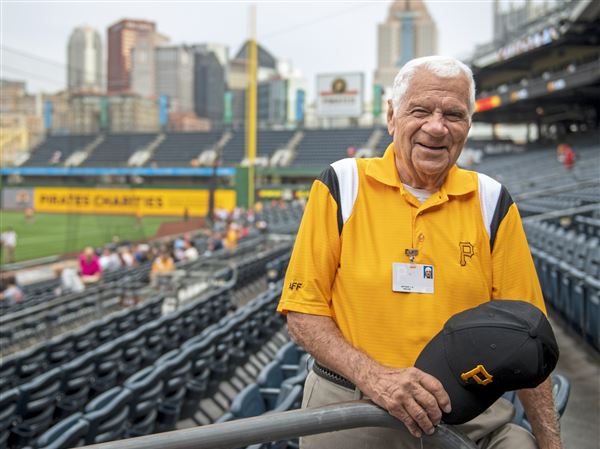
x=435, y=125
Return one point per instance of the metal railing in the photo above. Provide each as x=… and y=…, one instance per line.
x=286, y=425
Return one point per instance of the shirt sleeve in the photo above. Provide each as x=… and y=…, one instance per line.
x=513, y=270
x=315, y=257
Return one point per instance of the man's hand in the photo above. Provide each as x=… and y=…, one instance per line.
x=414, y=397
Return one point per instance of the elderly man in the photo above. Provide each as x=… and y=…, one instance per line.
x=350, y=298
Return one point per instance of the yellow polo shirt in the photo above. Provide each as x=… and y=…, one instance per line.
x=341, y=265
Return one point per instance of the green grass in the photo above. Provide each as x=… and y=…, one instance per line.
x=55, y=234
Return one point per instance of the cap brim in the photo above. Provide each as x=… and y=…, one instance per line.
x=466, y=403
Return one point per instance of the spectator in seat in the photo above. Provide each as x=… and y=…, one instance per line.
x=11, y=293
x=163, y=265
x=89, y=266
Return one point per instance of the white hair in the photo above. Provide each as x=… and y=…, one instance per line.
x=442, y=66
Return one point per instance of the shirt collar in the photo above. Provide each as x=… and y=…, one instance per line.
x=383, y=169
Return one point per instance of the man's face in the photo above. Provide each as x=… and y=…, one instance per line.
x=430, y=128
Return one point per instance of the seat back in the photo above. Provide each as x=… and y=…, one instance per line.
x=248, y=402
x=108, y=415
x=65, y=434
x=9, y=401
x=36, y=406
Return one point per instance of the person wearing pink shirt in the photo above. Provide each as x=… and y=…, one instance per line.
x=89, y=266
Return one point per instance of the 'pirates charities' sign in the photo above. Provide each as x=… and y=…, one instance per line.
x=129, y=201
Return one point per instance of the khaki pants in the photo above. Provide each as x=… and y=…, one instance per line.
x=490, y=430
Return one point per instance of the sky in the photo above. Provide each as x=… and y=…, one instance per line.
x=315, y=36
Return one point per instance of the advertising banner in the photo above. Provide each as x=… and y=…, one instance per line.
x=340, y=95
x=17, y=198
x=130, y=201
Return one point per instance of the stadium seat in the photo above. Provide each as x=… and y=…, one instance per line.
x=31, y=363
x=178, y=365
x=36, y=407
x=155, y=337
x=68, y=433
x=146, y=388
x=8, y=373
x=77, y=377
x=59, y=350
x=561, y=388
x=9, y=401
x=198, y=383
x=591, y=288
x=133, y=344
x=108, y=416
x=573, y=273
x=108, y=359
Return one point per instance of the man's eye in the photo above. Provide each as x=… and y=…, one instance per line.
x=455, y=116
x=419, y=112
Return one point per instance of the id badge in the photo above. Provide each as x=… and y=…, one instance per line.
x=412, y=278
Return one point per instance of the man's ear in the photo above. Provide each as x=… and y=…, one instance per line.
x=390, y=118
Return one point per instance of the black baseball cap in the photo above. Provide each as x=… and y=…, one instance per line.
x=498, y=346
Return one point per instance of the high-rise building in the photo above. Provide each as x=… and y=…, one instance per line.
x=409, y=32
x=123, y=36
x=143, y=65
x=209, y=86
x=84, y=60
x=175, y=76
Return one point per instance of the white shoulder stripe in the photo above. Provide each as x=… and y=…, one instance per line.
x=347, y=175
x=489, y=193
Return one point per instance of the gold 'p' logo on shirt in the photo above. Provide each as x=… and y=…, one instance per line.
x=466, y=250
x=479, y=374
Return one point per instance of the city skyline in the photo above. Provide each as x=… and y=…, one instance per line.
x=288, y=30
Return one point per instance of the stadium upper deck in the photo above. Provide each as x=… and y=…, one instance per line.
x=548, y=74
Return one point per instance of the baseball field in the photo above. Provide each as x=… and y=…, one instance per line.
x=55, y=234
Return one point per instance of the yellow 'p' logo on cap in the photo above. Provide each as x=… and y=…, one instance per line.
x=475, y=374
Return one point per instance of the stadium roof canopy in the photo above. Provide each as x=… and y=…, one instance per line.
x=549, y=72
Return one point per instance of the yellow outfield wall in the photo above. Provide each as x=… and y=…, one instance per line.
x=130, y=201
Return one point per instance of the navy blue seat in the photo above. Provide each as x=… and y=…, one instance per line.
x=77, y=377
x=36, y=406
x=108, y=366
x=59, y=350
x=108, y=416
x=197, y=386
x=147, y=388
x=133, y=346
x=178, y=365
x=70, y=432
x=8, y=374
x=572, y=274
x=9, y=401
x=31, y=363
x=591, y=288
x=154, y=334
x=561, y=388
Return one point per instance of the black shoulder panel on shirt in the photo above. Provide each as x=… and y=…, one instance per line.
x=502, y=206
x=329, y=178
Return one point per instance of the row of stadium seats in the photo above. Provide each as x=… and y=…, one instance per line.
x=64, y=389
x=45, y=319
x=43, y=291
x=26, y=365
x=278, y=388
x=141, y=346
x=316, y=148
x=568, y=266
x=154, y=398
x=282, y=220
